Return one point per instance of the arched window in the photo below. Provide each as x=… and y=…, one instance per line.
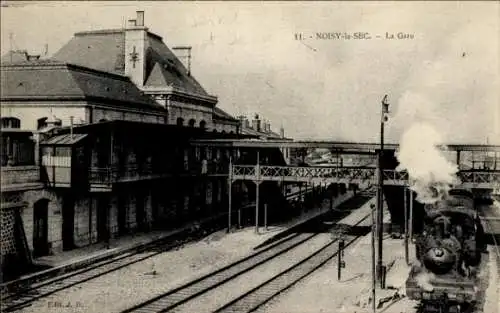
x=102, y=120
x=223, y=132
x=11, y=122
x=215, y=130
x=192, y=122
x=180, y=121
x=203, y=124
x=41, y=122
x=231, y=132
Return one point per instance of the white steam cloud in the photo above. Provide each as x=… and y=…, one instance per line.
x=431, y=174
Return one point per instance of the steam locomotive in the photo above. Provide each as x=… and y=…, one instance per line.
x=449, y=252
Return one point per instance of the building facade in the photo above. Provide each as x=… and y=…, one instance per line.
x=96, y=143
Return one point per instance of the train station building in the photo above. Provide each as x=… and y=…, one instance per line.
x=95, y=143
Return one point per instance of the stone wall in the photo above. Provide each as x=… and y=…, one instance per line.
x=8, y=244
x=54, y=217
x=29, y=113
x=99, y=114
x=186, y=111
x=219, y=126
x=19, y=175
x=81, y=227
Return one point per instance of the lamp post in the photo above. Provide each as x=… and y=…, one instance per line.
x=380, y=193
x=374, y=277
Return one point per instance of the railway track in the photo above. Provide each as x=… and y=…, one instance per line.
x=263, y=293
x=18, y=300
x=496, y=251
x=12, y=301
x=174, y=298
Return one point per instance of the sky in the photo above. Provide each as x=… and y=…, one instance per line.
x=247, y=54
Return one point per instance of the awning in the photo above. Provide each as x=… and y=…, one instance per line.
x=64, y=140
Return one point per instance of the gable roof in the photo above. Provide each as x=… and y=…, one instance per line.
x=60, y=81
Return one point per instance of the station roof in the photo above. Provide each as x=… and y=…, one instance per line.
x=105, y=50
x=64, y=140
x=50, y=80
x=336, y=145
x=147, y=130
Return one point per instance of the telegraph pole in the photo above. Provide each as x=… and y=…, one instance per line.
x=374, y=275
x=230, y=194
x=405, y=191
x=380, y=193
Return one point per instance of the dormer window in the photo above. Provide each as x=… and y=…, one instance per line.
x=41, y=122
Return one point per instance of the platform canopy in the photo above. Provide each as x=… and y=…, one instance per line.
x=340, y=145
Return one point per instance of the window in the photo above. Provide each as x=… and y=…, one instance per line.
x=11, y=122
x=192, y=122
x=203, y=124
x=41, y=123
x=180, y=121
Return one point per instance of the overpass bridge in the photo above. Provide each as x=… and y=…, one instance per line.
x=485, y=177
x=478, y=175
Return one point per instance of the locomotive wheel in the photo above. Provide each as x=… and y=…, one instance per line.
x=434, y=306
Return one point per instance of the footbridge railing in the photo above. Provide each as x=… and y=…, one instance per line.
x=357, y=175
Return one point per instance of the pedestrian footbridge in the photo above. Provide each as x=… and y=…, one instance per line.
x=353, y=175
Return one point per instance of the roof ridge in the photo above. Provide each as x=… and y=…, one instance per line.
x=100, y=32
x=112, y=31
x=97, y=71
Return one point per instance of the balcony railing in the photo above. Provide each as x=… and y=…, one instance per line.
x=19, y=177
x=132, y=172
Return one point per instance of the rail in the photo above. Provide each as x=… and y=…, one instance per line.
x=181, y=295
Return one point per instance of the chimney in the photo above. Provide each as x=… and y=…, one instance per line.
x=246, y=123
x=184, y=55
x=140, y=18
x=268, y=127
x=282, y=132
x=136, y=38
x=241, y=118
x=256, y=123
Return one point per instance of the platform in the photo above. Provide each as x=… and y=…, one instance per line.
x=67, y=261
x=307, y=217
x=323, y=292
x=72, y=260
